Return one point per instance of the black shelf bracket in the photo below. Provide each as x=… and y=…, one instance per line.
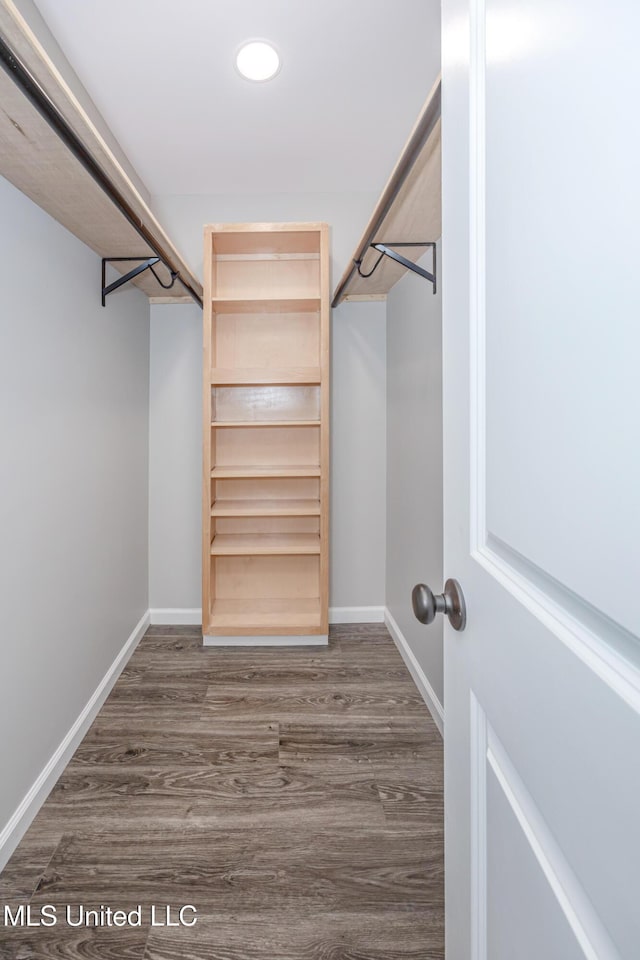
x=147, y=263
x=384, y=249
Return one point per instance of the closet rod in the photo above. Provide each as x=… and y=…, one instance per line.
x=48, y=110
x=419, y=136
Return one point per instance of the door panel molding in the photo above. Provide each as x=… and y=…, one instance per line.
x=482, y=485
x=487, y=752
x=576, y=906
x=604, y=646
x=605, y=661
x=542, y=690
x=477, y=269
x=478, y=779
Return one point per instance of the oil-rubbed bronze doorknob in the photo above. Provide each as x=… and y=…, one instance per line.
x=426, y=604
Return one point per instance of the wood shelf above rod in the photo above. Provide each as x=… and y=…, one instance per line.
x=409, y=209
x=59, y=152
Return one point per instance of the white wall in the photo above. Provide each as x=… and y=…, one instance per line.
x=73, y=474
x=414, y=464
x=358, y=455
x=175, y=457
x=358, y=449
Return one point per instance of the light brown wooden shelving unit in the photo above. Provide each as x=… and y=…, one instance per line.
x=266, y=433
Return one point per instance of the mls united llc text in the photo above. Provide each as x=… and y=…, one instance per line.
x=49, y=915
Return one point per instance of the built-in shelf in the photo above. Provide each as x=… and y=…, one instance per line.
x=264, y=423
x=258, y=376
x=266, y=431
x=265, y=614
x=248, y=472
x=265, y=508
x=264, y=544
x=265, y=304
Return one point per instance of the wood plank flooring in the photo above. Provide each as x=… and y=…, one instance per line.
x=292, y=795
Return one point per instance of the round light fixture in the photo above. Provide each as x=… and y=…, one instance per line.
x=258, y=60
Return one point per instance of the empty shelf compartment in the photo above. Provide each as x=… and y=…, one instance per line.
x=265, y=508
x=229, y=376
x=224, y=473
x=264, y=544
x=265, y=614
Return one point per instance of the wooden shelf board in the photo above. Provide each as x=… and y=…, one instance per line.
x=266, y=304
x=249, y=472
x=260, y=614
x=252, y=238
x=264, y=544
x=258, y=257
x=221, y=424
x=259, y=376
x=265, y=508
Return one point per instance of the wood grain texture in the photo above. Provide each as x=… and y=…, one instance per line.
x=152, y=743
x=281, y=871
x=192, y=631
x=22, y=874
x=351, y=738
x=274, y=668
x=293, y=796
x=390, y=936
x=69, y=943
x=287, y=701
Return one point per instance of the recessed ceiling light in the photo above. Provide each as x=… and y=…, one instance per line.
x=258, y=60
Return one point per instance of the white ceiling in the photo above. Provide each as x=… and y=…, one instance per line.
x=354, y=76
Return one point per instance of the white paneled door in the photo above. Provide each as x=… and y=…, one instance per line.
x=541, y=299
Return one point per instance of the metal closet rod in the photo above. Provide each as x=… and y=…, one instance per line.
x=419, y=136
x=22, y=76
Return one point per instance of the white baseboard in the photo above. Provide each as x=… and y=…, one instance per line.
x=296, y=640
x=176, y=616
x=426, y=690
x=356, y=614
x=188, y=616
x=20, y=822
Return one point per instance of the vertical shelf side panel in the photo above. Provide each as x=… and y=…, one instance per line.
x=207, y=362
x=325, y=354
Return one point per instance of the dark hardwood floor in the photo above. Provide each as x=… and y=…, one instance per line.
x=292, y=795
